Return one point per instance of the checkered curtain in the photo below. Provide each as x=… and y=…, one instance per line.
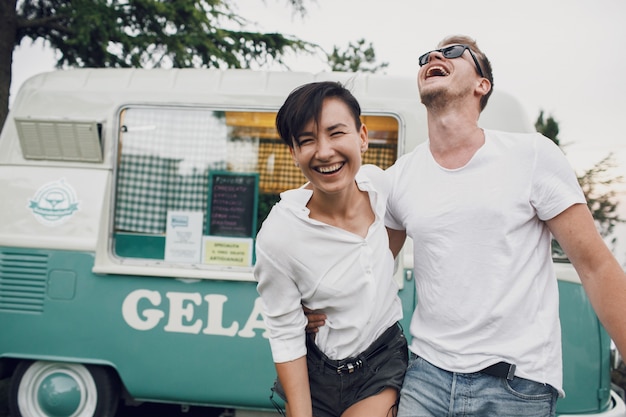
x=165, y=159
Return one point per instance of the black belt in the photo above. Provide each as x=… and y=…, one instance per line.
x=349, y=365
x=500, y=370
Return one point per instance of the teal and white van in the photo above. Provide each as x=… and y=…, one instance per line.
x=129, y=204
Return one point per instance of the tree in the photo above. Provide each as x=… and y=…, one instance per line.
x=597, y=184
x=356, y=57
x=138, y=33
x=549, y=128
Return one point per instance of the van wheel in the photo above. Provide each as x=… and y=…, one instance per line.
x=56, y=389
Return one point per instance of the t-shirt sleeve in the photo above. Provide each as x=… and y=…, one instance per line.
x=378, y=177
x=555, y=186
x=391, y=221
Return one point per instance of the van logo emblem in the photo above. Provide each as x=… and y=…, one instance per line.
x=54, y=203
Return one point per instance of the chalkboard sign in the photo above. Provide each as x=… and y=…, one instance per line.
x=232, y=205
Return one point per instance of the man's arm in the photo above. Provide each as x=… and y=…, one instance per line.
x=602, y=277
x=314, y=319
x=396, y=240
x=294, y=378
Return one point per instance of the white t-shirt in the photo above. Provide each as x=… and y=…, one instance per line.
x=485, y=283
x=300, y=260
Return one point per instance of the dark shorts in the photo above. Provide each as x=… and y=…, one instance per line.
x=336, y=385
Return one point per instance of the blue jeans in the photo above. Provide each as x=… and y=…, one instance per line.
x=432, y=392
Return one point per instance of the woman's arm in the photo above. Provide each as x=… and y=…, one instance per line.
x=294, y=378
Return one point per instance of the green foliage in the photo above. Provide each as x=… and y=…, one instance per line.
x=356, y=57
x=549, y=128
x=150, y=33
x=140, y=33
x=266, y=202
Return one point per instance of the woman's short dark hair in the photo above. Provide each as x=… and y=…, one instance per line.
x=305, y=104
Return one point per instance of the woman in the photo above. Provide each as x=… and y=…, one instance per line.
x=324, y=246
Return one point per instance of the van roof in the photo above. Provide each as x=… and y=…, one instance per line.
x=197, y=86
x=55, y=93
x=97, y=95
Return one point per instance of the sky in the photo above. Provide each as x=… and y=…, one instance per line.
x=558, y=56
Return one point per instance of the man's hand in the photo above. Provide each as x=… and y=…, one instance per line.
x=315, y=320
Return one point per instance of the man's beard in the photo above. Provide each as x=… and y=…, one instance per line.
x=434, y=99
x=439, y=98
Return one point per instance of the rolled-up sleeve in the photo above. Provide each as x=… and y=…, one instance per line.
x=282, y=308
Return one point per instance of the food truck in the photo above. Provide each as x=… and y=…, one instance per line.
x=130, y=203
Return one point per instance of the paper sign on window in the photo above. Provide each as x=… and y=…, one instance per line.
x=227, y=251
x=183, y=238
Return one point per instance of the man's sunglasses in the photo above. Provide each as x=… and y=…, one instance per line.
x=451, y=52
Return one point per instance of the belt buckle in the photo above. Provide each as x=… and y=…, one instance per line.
x=349, y=367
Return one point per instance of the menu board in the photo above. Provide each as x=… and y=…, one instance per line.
x=233, y=199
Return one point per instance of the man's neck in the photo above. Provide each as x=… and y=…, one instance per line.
x=454, y=136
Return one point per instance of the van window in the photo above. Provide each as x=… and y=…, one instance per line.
x=167, y=156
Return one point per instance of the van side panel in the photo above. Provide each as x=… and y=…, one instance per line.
x=189, y=341
x=159, y=334
x=586, y=347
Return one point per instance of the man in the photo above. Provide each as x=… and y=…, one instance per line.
x=481, y=207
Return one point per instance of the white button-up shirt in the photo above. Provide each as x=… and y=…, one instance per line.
x=302, y=261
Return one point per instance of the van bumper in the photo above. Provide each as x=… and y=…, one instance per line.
x=617, y=409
